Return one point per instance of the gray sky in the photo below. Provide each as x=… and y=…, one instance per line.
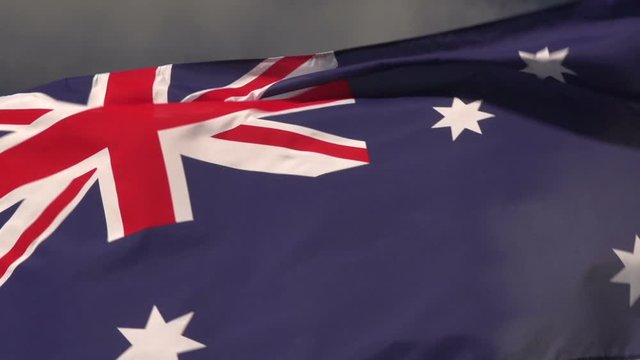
x=45, y=40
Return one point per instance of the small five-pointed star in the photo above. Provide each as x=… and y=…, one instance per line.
x=159, y=340
x=631, y=272
x=460, y=116
x=544, y=64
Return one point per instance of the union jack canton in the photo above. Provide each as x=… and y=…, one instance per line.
x=130, y=139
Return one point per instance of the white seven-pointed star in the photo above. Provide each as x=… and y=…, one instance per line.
x=631, y=272
x=159, y=340
x=544, y=64
x=460, y=116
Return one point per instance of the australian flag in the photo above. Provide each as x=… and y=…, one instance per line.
x=471, y=195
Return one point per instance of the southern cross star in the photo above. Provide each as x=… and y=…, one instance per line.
x=631, y=272
x=460, y=116
x=159, y=340
x=544, y=64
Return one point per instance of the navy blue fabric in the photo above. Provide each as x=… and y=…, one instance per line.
x=493, y=246
x=6, y=215
x=74, y=90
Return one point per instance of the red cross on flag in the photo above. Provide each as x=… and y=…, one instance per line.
x=131, y=141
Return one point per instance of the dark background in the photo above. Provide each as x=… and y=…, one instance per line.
x=45, y=40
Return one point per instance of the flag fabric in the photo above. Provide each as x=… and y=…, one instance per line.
x=467, y=195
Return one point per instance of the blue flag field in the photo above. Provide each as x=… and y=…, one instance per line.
x=471, y=195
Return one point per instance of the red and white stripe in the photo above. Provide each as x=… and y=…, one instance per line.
x=136, y=157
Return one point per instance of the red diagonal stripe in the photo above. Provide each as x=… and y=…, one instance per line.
x=278, y=71
x=43, y=222
x=179, y=114
x=336, y=90
x=21, y=116
x=291, y=140
x=132, y=86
